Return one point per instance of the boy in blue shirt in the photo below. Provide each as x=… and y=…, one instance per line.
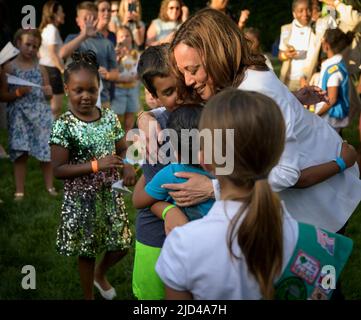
x=180, y=121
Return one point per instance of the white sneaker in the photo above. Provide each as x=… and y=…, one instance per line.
x=106, y=294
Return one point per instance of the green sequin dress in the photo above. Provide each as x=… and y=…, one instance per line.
x=93, y=216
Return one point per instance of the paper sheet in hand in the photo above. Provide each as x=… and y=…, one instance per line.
x=99, y=103
x=21, y=82
x=120, y=187
x=8, y=52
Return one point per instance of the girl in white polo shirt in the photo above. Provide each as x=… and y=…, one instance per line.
x=248, y=243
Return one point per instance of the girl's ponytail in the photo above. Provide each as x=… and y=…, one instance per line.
x=260, y=236
x=259, y=138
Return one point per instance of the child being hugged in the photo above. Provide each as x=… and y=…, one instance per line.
x=28, y=113
x=87, y=147
x=248, y=246
x=180, y=122
x=334, y=78
x=126, y=101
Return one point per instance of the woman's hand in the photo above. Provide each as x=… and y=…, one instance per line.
x=185, y=13
x=197, y=189
x=110, y=161
x=311, y=95
x=348, y=154
x=243, y=18
x=174, y=218
x=129, y=175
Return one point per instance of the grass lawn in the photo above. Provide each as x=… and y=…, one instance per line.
x=28, y=231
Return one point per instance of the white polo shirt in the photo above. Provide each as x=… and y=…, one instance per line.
x=196, y=258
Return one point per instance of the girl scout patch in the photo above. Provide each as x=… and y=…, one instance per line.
x=326, y=242
x=306, y=267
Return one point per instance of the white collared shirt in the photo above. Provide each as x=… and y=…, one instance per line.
x=309, y=141
x=196, y=258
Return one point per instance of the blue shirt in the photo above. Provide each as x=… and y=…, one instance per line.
x=105, y=53
x=166, y=175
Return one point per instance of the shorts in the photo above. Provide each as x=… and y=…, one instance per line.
x=146, y=283
x=125, y=100
x=55, y=79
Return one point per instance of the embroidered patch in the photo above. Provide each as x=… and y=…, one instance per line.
x=326, y=242
x=306, y=267
x=332, y=69
x=318, y=294
x=319, y=283
x=291, y=288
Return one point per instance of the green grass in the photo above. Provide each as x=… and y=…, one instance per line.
x=28, y=231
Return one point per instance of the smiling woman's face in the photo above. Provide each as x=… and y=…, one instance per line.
x=190, y=64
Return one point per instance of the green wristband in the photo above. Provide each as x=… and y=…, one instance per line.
x=165, y=211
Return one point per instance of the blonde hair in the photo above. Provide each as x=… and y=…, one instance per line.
x=259, y=138
x=222, y=45
x=123, y=9
x=87, y=5
x=50, y=8
x=163, y=15
x=31, y=32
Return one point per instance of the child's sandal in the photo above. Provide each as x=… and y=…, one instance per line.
x=53, y=192
x=18, y=196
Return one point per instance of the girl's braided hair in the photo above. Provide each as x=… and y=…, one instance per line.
x=82, y=60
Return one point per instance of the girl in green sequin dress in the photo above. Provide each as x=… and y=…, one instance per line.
x=87, y=147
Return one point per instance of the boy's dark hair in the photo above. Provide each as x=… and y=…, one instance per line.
x=186, y=118
x=296, y=2
x=338, y=40
x=82, y=60
x=154, y=62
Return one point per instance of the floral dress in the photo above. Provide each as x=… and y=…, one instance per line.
x=93, y=216
x=29, y=118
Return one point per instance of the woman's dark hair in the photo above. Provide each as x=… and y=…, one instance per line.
x=338, y=40
x=225, y=51
x=181, y=122
x=82, y=60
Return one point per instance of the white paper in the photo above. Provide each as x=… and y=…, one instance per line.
x=8, y=52
x=120, y=187
x=20, y=82
x=99, y=103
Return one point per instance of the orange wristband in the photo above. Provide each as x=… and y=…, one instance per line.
x=95, y=167
x=18, y=93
